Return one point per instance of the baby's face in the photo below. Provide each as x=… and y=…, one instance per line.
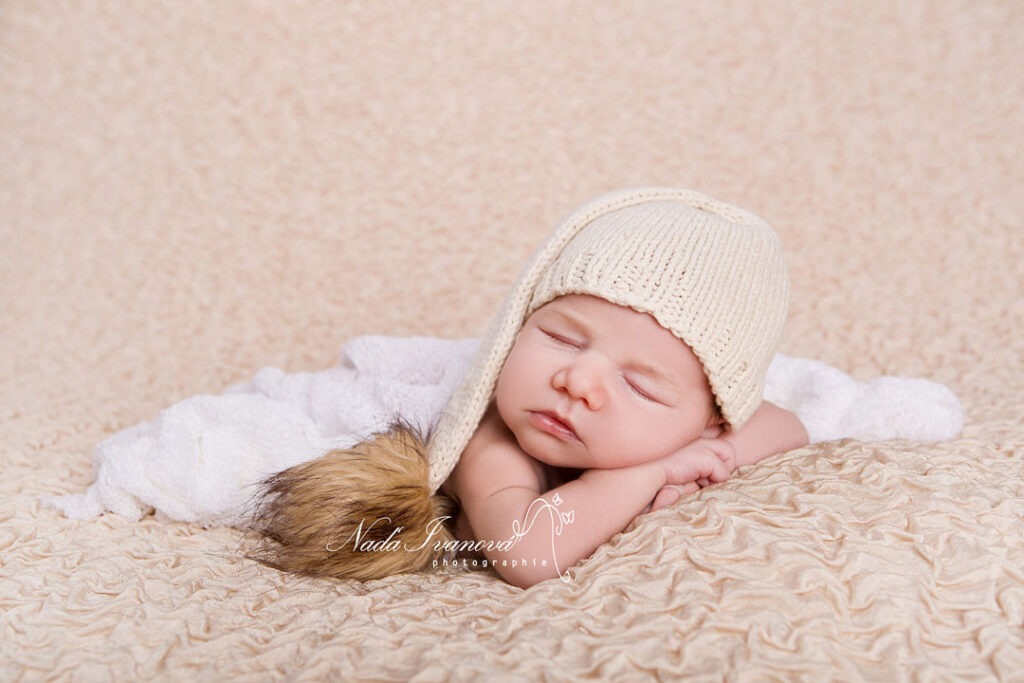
x=590, y=384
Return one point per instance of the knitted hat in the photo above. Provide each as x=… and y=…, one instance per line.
x=710, y=273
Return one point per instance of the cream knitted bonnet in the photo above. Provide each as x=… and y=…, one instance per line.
x=710, y=273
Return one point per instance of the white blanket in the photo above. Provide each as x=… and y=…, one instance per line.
x=201, y=460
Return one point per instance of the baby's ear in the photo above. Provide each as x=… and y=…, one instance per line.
x=334, y=516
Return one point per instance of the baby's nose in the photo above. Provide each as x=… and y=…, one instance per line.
x=584, y=380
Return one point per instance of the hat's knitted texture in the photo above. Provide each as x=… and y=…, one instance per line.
x=710, y=273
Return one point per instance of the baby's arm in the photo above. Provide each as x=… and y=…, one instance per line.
x=500, y=492
x=769, y=431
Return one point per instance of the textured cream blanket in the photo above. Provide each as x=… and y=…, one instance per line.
x=193, y=190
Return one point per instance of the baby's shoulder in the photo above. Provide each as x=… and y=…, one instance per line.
x=493, y=460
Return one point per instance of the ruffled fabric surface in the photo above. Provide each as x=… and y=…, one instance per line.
x=847, y=561
x=190, y=191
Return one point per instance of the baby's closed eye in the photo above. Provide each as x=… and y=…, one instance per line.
x=561, y=338
x=639, y=390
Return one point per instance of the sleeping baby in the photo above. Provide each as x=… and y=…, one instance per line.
x=626, y=367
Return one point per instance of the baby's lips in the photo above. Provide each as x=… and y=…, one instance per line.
x=553, y=424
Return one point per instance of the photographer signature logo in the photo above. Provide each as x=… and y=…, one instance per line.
x=361, y=540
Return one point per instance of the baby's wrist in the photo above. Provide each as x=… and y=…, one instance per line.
x=653, y=473
x=647, y=476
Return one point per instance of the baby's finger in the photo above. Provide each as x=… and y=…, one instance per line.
x=670, y=494
x=666, y=496
x=725, y=451
x=721, y=471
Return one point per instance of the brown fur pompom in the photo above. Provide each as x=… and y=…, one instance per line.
x=361, y=513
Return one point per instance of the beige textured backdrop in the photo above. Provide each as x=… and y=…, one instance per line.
x=191, y=190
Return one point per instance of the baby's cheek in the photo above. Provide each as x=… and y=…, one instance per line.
x=653, y=437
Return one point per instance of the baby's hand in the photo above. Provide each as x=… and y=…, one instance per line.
x=698, y=464
x=704, y=461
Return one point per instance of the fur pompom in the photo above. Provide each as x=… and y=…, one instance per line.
x=361, y=513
